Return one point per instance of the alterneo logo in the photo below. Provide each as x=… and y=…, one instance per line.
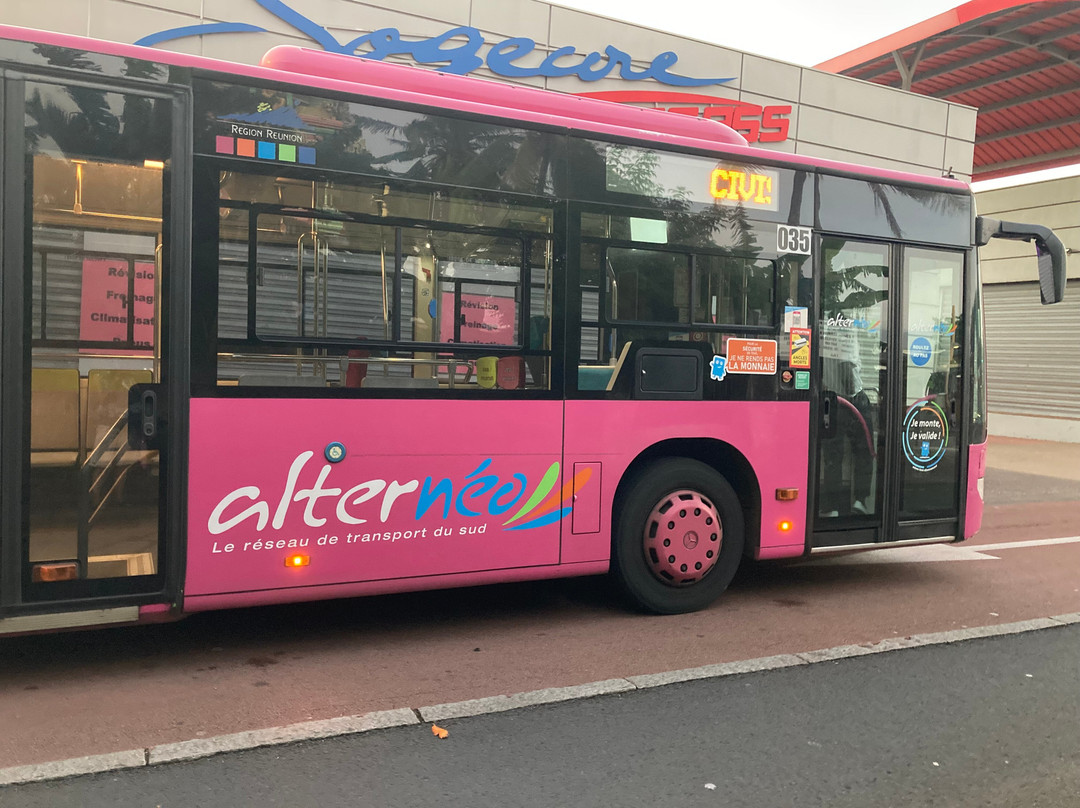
x=478, y=494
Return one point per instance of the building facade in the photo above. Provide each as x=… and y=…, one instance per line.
x=775, y=104
x=1034, y=386
x=1016, y=63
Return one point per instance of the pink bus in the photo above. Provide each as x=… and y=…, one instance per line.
x=330, y=327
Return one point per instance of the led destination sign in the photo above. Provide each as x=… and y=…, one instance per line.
x=646, y=172
x=730, y=186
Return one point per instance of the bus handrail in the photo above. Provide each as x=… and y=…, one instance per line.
x=467, y=364
x=862, y=422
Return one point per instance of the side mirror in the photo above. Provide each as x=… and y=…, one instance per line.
x=1049, y=250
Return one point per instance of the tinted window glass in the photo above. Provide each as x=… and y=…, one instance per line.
x=97, y=164
x=890, y=211
x=337, y=297
x=604, y=172
x=295, y=130
x=653, y=286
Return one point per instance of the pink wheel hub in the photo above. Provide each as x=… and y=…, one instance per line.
x=682, y=538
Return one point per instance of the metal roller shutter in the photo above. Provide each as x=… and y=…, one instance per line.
x=1032, y=351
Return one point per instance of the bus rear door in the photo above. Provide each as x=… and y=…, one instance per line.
x=90, y=262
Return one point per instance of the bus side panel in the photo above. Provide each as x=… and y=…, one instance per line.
x=976, y=470
x=302, y=493
x=772, y=436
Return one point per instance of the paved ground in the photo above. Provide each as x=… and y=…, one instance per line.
x=992, y=723
x=132, y=689
x=1046, y=458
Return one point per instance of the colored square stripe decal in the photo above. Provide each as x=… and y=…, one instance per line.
x=265, y=150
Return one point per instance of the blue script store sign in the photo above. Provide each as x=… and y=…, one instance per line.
x=457, y=51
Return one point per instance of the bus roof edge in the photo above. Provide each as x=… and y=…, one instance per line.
x=371, y=73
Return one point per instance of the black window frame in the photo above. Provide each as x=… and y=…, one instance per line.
x=693, y=255
x=205, y=361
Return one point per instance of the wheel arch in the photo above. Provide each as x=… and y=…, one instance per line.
x=722, y=457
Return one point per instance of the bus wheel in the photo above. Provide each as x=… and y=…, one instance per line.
x=678, y=538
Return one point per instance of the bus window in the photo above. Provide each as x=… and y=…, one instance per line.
x=731, y=290
x=342, y=299
x=649, y=286
x=471, y=288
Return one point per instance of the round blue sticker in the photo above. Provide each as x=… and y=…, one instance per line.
x=920, y=351
x=335, y=452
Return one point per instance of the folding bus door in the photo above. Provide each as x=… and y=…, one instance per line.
x=890, y=373
x=87, y=273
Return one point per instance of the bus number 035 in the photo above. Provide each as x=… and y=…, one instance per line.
x=793, y=240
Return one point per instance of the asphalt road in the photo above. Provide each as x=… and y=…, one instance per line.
x=68, y=695
x=106, y=691
x=989, y=723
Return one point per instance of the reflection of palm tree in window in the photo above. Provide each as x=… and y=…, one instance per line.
x=633, y=171
x=87, y=122
x=464, y=153
x=847, y=291
x=933, y=201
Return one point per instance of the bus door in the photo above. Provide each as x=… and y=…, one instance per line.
x=89, y=264
x=889, y=359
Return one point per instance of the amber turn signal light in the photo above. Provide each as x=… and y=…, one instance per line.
x=787, y=494
x=297, y=560
x=46, y=573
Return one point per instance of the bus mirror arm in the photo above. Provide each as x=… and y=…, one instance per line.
x=1048, y=248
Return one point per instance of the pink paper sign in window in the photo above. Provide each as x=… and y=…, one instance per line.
x=106, y=307
x=485, y=320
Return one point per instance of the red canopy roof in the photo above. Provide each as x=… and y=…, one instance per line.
x=1017, y=62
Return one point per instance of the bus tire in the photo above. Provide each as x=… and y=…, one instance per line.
x=679, y=537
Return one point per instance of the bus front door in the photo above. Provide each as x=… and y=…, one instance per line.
x=87, y=265
x=889, y=348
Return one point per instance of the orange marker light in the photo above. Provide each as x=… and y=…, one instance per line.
x=297, y=560
x=787, y=494
x=62, y=571
x=785, y=526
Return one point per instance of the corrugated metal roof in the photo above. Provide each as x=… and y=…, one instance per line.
x=1017, y=62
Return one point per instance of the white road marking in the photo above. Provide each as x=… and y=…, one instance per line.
x=1012, y=545
x=902, y=555
x=933, y=552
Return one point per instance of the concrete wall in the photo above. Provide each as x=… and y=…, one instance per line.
x=1055, y=203
x=833, y=116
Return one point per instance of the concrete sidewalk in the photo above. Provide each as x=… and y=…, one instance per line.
x=1045, y=458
